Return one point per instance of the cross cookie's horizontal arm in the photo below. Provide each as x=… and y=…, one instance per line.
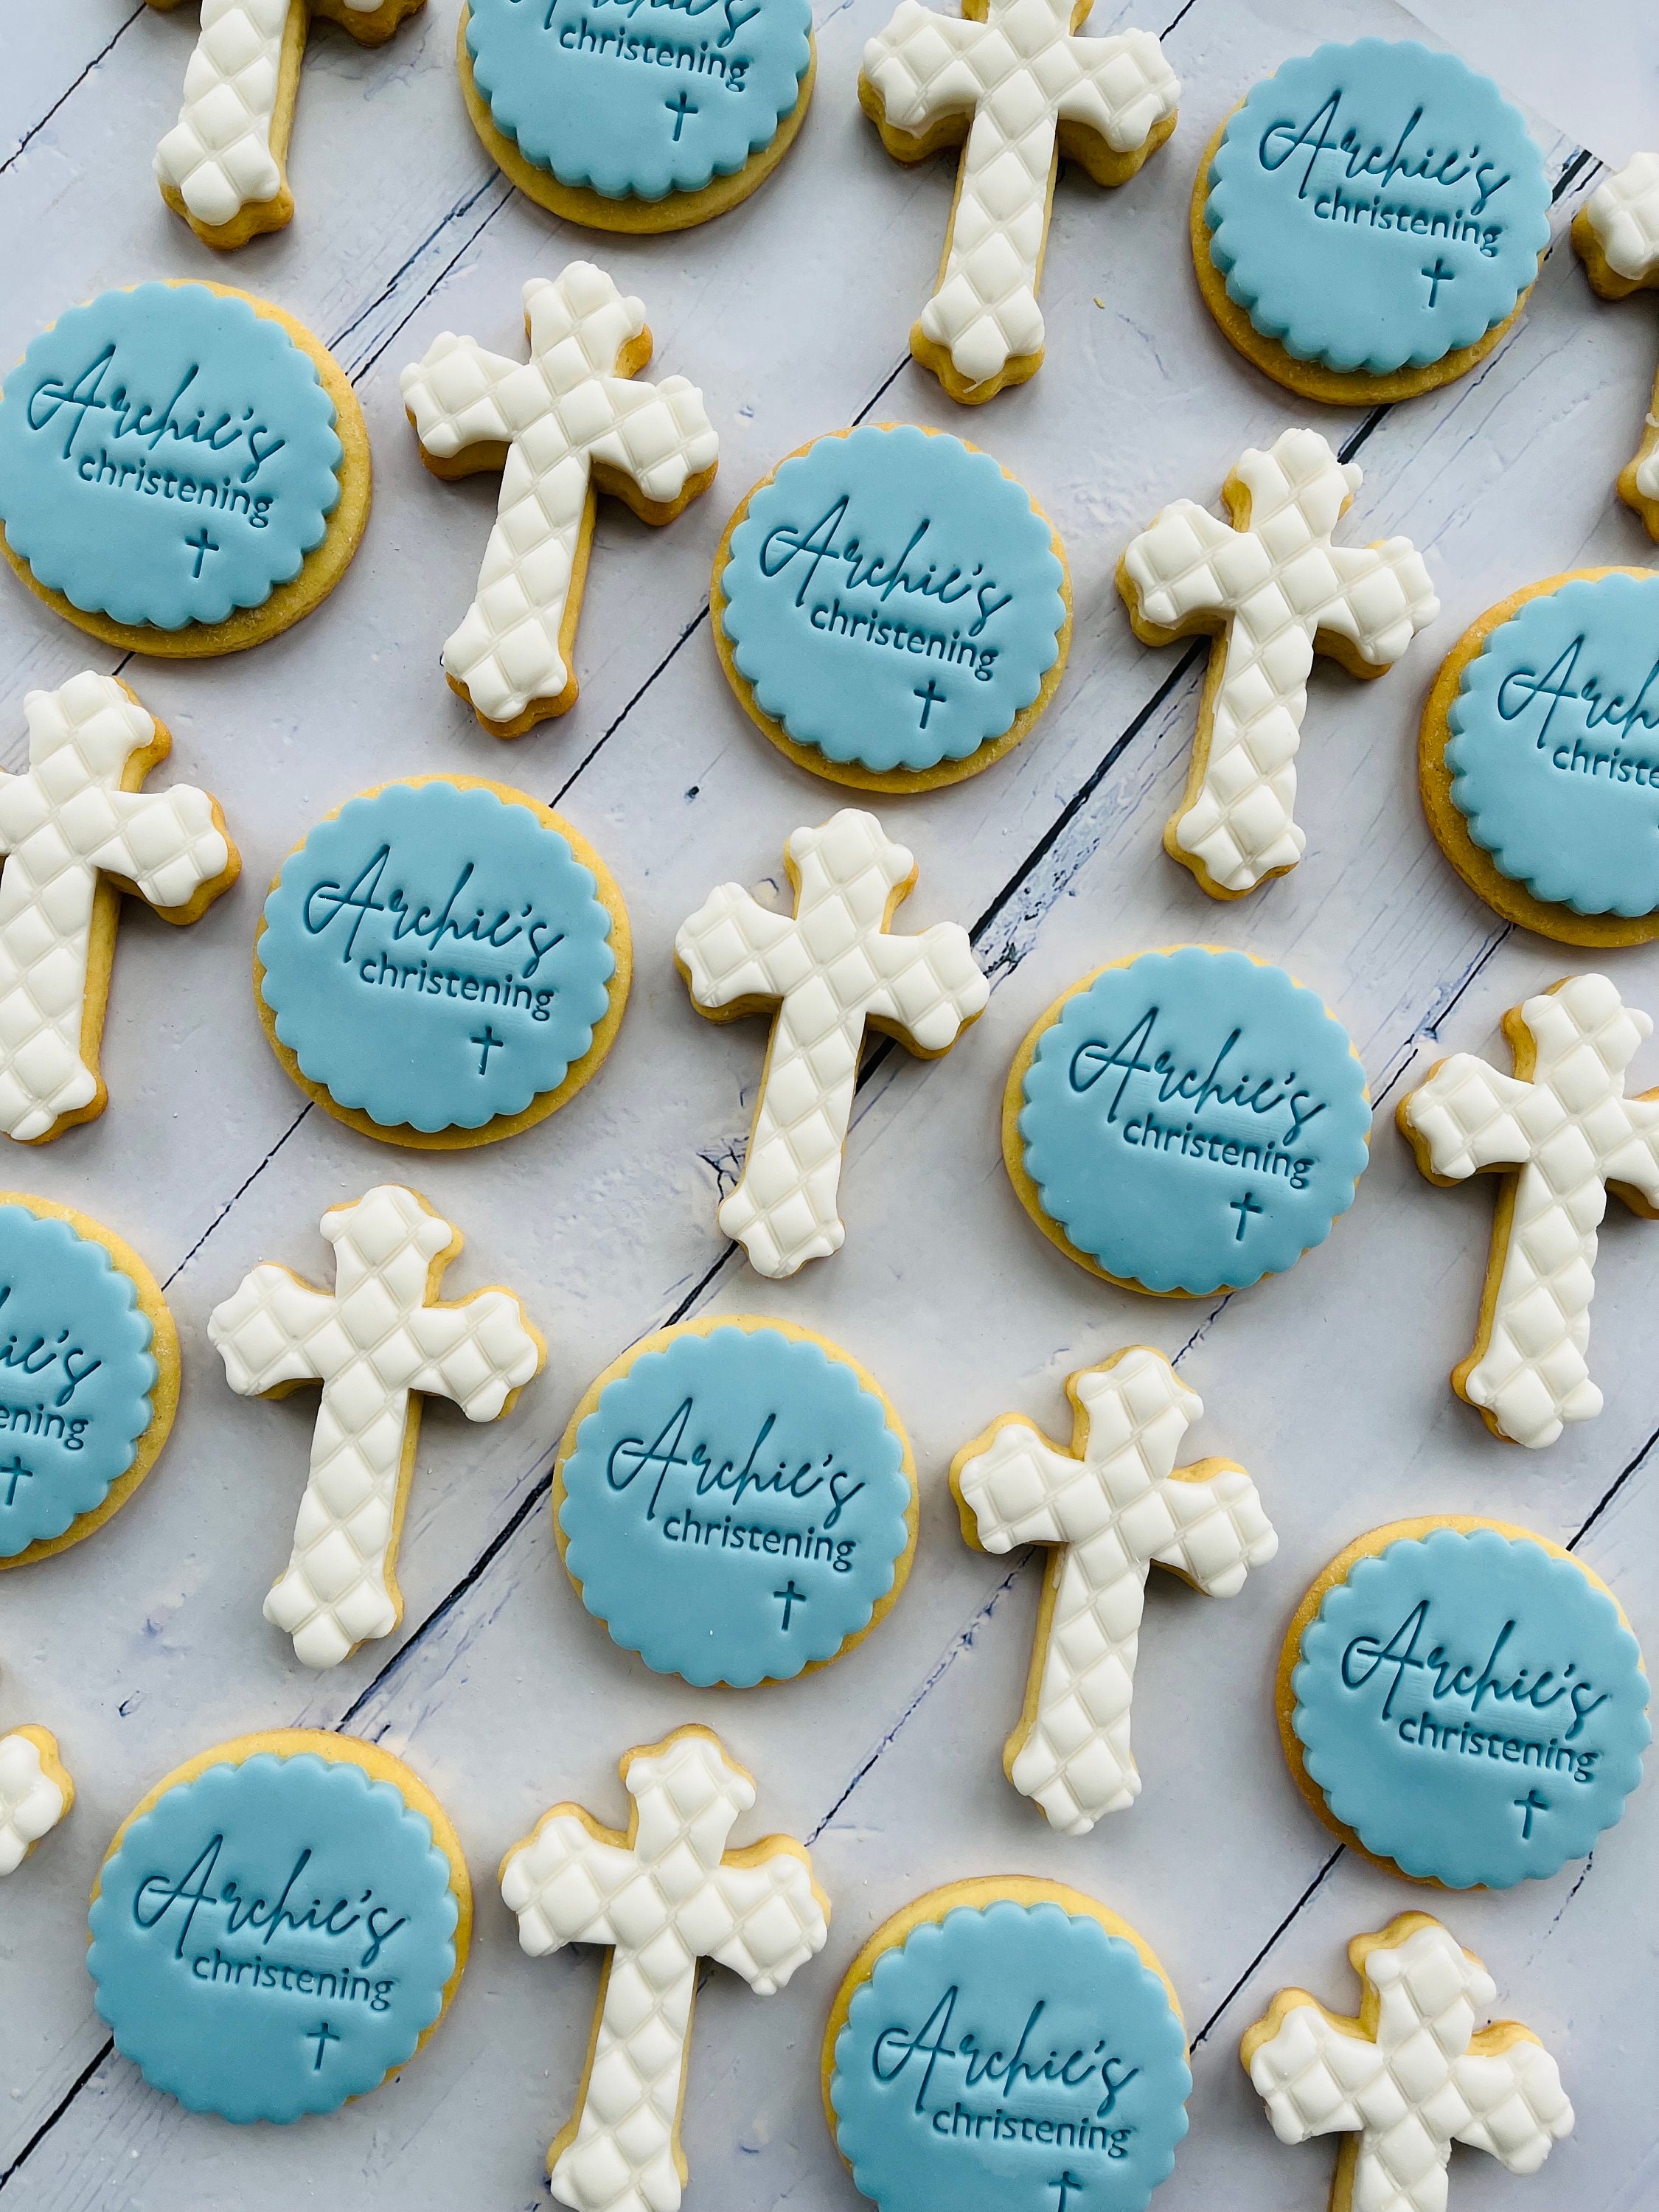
x=561, y=1880
x=452, y=395
x=476, y=1352
x=261, y=1331
x=725, y=949
x=1464, y=1118
x=1008, y=1483
x=1222, y=1531
x=171, y=846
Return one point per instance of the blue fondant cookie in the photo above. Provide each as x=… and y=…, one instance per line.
x=1464, y=1700
x=1186, y=1121
x=184, y=469
x=1539, y=756
x=442, y=962
x=736, y=1500
x=637, y=115
x=1369, y=221
x=892, y=608
x=279, y=1925
x=1007, y=2046
x=89, y=1376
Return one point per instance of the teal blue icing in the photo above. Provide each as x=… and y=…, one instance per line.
x=719, y=1476
x=1195, y=1121
x=1471, y=1707
x=637, y=98
x=1001, y=2048
x=894, y=599
x=1376, y=206
x=273, y=1937
x=148, y=421
x=1555, y=748
x=75, y=1375
x=436, y=957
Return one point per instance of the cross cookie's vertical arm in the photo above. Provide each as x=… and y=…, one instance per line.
x=1616, y=233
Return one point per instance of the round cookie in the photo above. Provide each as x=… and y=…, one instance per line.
x=1464, y=1701
x=1368, y=222
x=1142, y=1087
x=954, y=575
x=279, y=1925
x=89, y=1384
x=257, y=517
x=715, y=1460
x=1548, y=689
x=959, y=1995
x=412, y=923
x=596, y=120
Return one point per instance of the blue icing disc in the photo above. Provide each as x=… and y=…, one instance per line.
x=273, y=1937
x=736, y=1506
x=436, y=957
x=951, y=2088
x=894, y=599
x=1195, y=1120
x=1376, y=206
x=637, y=98
x=1471, y=1707
x=75, y=1375
x=1555, y=747
x=148, y=421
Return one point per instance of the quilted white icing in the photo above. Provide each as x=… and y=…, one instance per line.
x=1114, y=1507
x=1568, y=1131
x=373, y=1342
x=1624, y=214
x=31, y=1803
x=217, y=157
x=63, y=822
x=830, y=968
x=558, y=413
x=664, y=1897
x=1018, y=69
x=1280, y=583
x=1417, y=2078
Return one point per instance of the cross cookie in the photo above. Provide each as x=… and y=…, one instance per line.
x=1410, y=2076
x=830, y=969
x=1274, y=590
x=35, y=1793
x=1616, y=233
x=77, y=830
x=562, y=427
x=222, y=166
x=1111, y=1507
x=1563, y=1133
x=377, y=1343
x=1011, y=82
x=662, y=1897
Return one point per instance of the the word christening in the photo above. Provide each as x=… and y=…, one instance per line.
x=1342, y=147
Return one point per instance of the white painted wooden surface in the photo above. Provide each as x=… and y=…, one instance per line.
x=1329, y=1384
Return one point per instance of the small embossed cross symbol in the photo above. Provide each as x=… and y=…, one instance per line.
x=1527, y=1806
x=679, y=109
x=322, y=2035
x=1438, y=276
x=790, y=1598
x=1068, y=2185
x=487, y=1041
x=1244, y=1207
x=200, y=545
x=930, y=698
x=18, y=1473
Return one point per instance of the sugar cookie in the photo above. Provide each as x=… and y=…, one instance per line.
x=1556, y=685
x=948, y=674
x=36, y=1793
x=1012, y=85
x=1411, y=2075
x=1616, y=233
x=1109, y=1508
x=562, y=427
x=1154, y=1069
x=1273, y=590
x=956, y=1997
x=826, y=974
x=379, y=1343
x=77, y=829
x=1464, y=1701
x=1562, y=1133
x=91, y=1386
x=322, y=1870
x=412, y=923
x=570, y=99
x=275, y=450
x=1309, y=193
x=222, y=166
x=661, y=1897
x=715, y=1460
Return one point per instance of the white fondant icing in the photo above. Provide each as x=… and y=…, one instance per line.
x=31, y=1803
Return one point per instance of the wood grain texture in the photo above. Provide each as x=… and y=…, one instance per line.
x=793, y=314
